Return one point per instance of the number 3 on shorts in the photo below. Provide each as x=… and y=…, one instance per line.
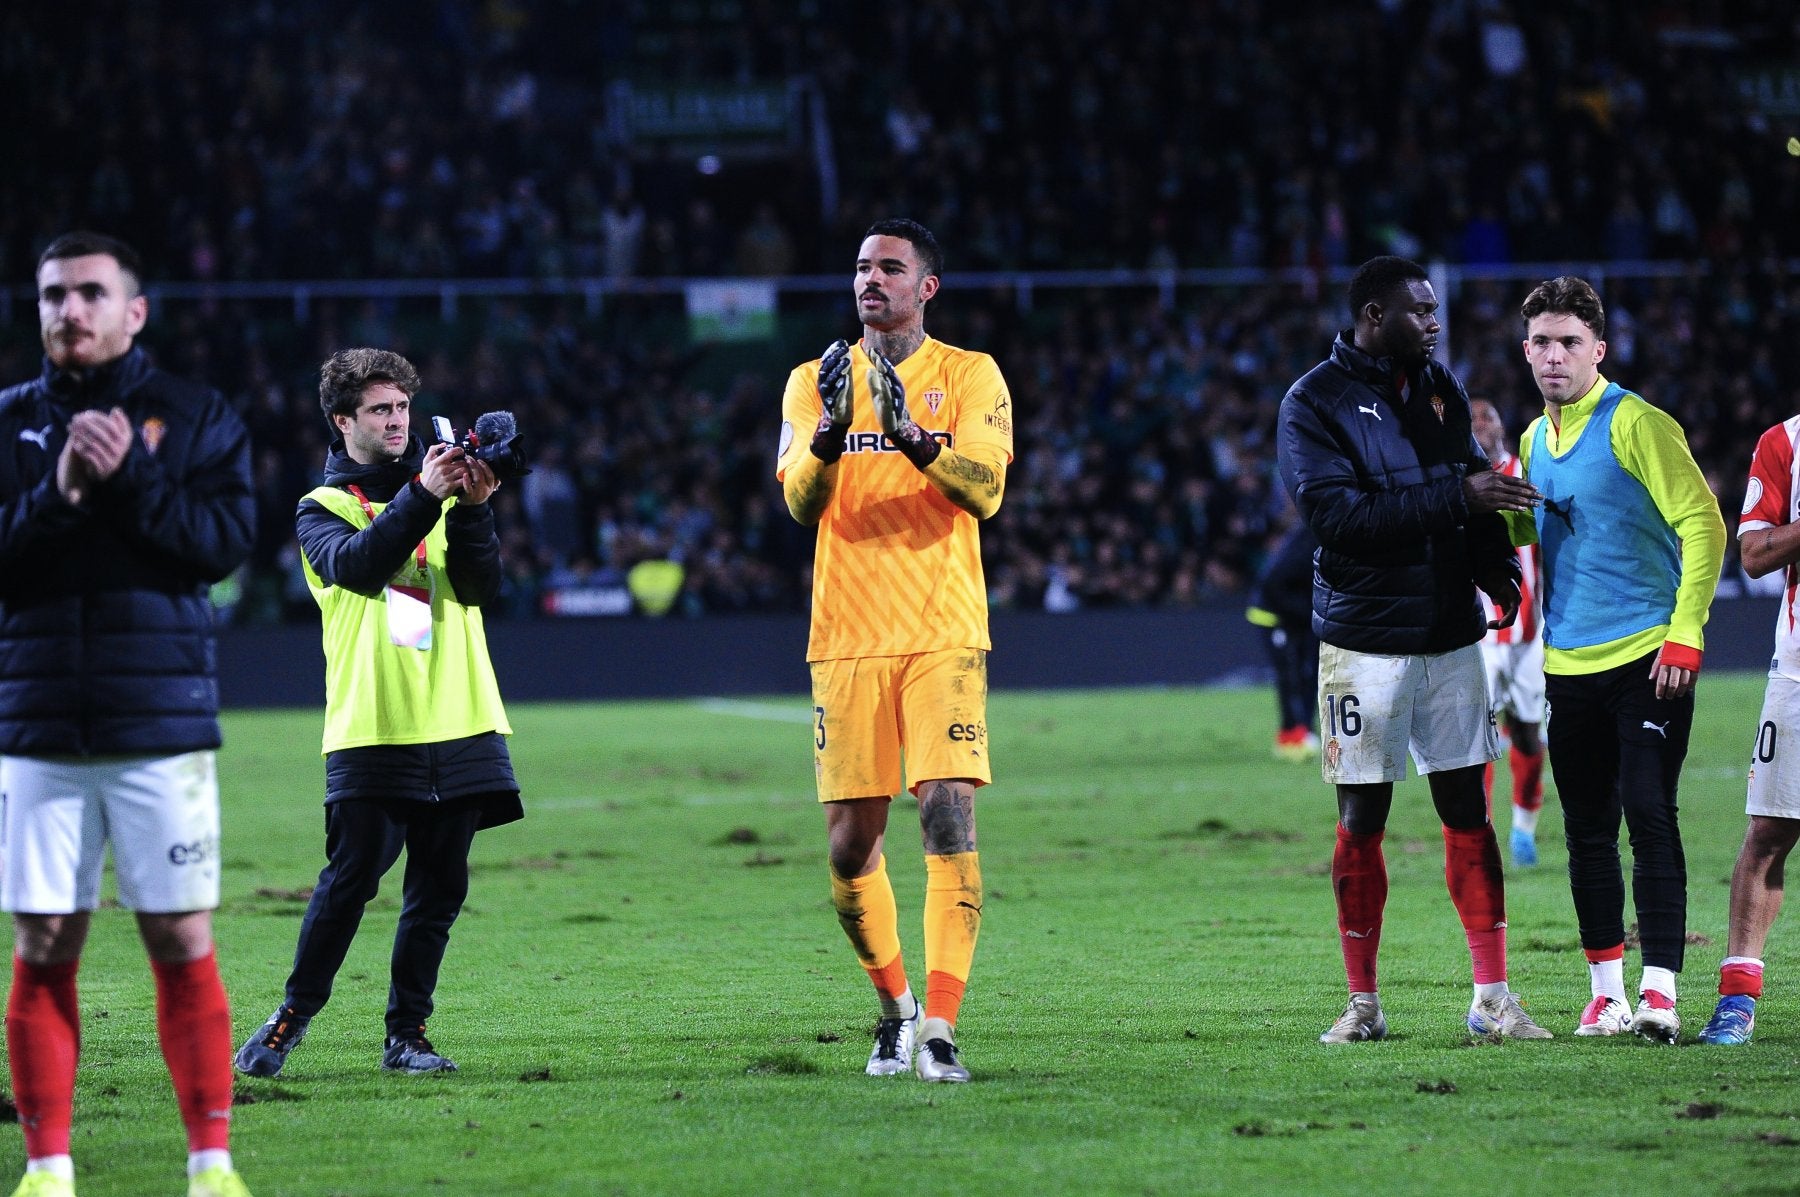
x=1342, y=715
x=819, y=728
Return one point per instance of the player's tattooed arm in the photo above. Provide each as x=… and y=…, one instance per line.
x=973, y=481
x=947, y=817
x=808, y=487
x=1768, y=549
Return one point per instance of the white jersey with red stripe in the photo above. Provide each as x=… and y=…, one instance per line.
x=1769, y=502
x=1530, y=624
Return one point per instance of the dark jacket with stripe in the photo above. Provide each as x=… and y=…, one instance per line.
x=1378, y=478
x=106, y=627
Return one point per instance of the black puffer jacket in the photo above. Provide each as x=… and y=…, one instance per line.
x=1379, y=481
x=106, y=629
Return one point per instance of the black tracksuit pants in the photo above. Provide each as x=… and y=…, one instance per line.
x=363, y=839
x=1616, y=750
x=1294, y=652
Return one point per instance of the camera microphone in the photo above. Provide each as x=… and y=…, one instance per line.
x=495, y=439
x=495, y=427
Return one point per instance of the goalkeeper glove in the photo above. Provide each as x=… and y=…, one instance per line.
x=834, y=401
x=889, y=397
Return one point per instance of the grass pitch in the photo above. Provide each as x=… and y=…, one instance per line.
x=648, y=993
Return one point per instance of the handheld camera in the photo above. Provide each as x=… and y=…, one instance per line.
x=495, y=439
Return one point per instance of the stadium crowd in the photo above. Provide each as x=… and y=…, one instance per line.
x=456, y=139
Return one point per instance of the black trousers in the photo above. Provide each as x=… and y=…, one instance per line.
x=1616, y=750
x=1294, y=652
x=363, y=839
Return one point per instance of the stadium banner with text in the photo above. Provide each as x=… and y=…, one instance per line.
x=731, y=310
x=747, y=114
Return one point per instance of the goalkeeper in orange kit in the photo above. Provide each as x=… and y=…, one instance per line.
x=895, y=448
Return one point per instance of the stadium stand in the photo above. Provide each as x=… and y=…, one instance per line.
x=354, y=148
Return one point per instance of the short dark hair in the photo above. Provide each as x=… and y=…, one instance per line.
x=1567, y=295
x=347, y=373
x=931, y=255
x=1377, y=279
x=82, y=244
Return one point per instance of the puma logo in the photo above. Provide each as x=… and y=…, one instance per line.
x=40, y=438
x=1661, y=729
x=1359, y=934
x=1370, y=410
x=1565, y=513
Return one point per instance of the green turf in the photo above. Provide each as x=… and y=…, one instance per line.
x=649, y=994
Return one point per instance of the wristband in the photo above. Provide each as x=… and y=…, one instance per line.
x=916, y=446
x=829, y=439
x=1681, y=656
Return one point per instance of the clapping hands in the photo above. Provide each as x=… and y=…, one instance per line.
x=98, y=444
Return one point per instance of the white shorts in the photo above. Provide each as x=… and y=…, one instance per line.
x=161, y=815
x=1373, y=709
x=1775, y=757
x=1515, y=678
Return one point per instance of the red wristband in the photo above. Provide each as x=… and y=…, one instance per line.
x=1681, y=656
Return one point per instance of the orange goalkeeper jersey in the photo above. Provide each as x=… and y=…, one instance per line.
x=898, y=566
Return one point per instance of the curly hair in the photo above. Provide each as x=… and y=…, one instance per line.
x=347, y=373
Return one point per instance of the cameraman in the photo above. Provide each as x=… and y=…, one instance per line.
x=400, y=553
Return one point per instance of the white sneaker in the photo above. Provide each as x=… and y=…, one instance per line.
x=1656, y=1019
x=937, y=1061
x=1604, y=1016
x=1361, y=1020
x=893, y=1052
x=1504, y=1018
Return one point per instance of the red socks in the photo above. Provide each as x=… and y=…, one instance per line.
x=1359, y=879
x=1472, y=871
x=193, y=1023
x=1741, y=979
x=43, y=1038
x=1528, y=779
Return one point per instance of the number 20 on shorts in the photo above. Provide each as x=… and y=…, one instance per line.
x=1343, y=715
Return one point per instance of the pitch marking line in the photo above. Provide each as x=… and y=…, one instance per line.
x=773, y=712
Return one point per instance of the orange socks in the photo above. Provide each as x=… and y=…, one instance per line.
x=952, y=924
x=866, y=911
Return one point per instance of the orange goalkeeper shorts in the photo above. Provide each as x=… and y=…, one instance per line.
x=868, y=712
